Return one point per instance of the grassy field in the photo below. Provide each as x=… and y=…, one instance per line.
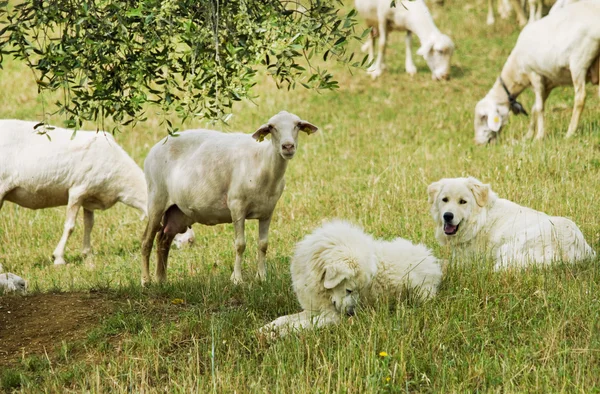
x=380, y=144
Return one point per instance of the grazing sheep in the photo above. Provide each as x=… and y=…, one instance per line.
x=11, y=282
x=86, y=169
x=412, y=17
x=505, y=6
x=560, y=4
x=209, y=177
x=568, y=54
x=338, y=264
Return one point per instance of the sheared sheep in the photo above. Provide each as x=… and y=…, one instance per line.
x=412, y=17
x=209, y=177
x=569, y=53
x=49, y=167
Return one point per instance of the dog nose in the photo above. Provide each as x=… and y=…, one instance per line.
x=287, y=147
x=448, y=216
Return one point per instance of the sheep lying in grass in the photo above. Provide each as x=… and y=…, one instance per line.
x=86, y=169
x=412, y=17
x=568, y=54
x=208, y=177
x=11, y=282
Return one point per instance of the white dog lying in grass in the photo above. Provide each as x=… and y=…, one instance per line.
x=470, y=216
x=11, y=282
x=339, y=263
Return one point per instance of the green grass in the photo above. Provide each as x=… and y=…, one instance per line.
x=380, y=144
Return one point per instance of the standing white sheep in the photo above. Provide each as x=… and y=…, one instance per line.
x=412, y=17
x=86, y=169
x=209, y=177
x=569, y=53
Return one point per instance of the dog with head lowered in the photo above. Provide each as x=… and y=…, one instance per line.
x=469, y=216
x=339, y=264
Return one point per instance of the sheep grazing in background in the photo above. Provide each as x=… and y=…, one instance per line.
x=568, y=54
x=504, y=9
x=412, y=17
x=209, y=177
x=11, y=282
x=560, y=4
x=44, y=168
x=506, y=6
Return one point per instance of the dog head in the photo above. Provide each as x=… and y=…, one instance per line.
x=458, y=206
x=331, y=266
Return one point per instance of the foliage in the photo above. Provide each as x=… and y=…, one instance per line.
x=195, y=58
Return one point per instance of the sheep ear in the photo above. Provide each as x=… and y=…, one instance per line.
x=425, y=48
x=494, y=121
x=308, y=128
x=480, y=191
x=433, y=190
x=333, y=277
x=262, y=132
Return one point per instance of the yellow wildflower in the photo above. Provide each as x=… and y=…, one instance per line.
x=177, y=301
x=383, y=354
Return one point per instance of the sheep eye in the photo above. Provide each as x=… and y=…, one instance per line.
x=462, y=202
x=348, y=291
x=445, y=199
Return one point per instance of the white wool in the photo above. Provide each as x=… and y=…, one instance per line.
x=412, y=17
x=209, y=177
x=11, y=282
x=568, y=53
x=86, y=169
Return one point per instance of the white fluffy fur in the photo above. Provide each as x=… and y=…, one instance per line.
x=568, y=54
x=11, y=282
x=209, y=177
x=412, y=17
x=339, y=263
x=512, y=235
x=88, y=170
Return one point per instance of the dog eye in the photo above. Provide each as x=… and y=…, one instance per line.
x=348, y=291
x=445, y=199
x=462, y=202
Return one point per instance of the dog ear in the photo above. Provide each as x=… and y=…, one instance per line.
x=333, y=277
x=262, y=132
x=480, y=191
x=433, y=190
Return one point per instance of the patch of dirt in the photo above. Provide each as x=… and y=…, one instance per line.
x=39, y=323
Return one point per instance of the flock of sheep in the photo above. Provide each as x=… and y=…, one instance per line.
x=234, y=178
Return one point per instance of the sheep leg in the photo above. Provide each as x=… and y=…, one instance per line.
x=521, y=17
x=152, y=227
x=72, y=209
x=504, y=9
x=163, y=246
x=490, y=14
x=88, y=224
x=263, y=244
x=377, y=68
x=410, y=67
x=240, y=247
x=537, y=115
x=579, y=85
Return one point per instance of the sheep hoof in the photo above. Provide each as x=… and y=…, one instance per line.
x=236, y=279
x=261, y=276
x=490, y=21
x=412, y=71
x=145, y=282
x=374, y=73
x=59, y=261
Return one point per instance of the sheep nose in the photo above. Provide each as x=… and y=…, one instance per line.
x=448, y=216
x=445, y=77
x=350, y=311
x=287, y=146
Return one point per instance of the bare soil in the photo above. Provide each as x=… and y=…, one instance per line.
x=39, y=323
